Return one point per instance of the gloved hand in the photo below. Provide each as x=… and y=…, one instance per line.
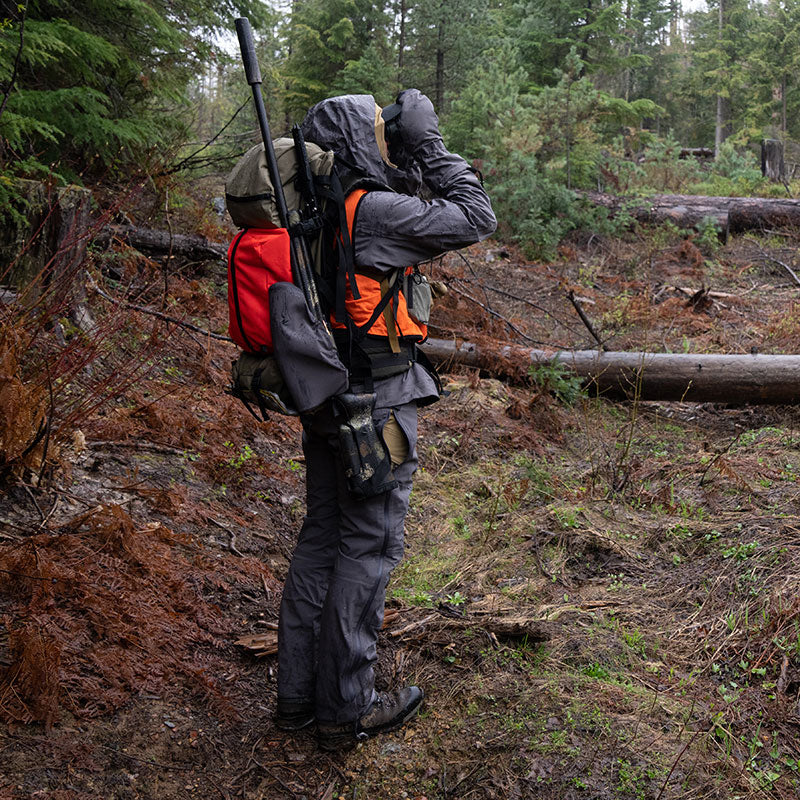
x=418, y=123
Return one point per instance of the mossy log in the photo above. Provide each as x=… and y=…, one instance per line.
x=733, y=379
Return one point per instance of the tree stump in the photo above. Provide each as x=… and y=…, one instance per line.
x=43, y=249
x=772, y=164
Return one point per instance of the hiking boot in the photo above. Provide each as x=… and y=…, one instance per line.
x=294, y=715
x=389, y=711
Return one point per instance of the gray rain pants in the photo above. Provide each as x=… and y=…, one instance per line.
x=333, y=599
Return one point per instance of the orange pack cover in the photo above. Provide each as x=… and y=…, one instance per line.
x=257, y=258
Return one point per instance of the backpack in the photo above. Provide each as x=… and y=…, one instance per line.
x=248, y=190
x=258, y=257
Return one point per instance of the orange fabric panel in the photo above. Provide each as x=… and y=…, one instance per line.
x=370, y=290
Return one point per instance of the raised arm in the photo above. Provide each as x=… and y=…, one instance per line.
x=395, y=230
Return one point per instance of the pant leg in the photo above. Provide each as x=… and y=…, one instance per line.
x=370, y=546
x=312, y=563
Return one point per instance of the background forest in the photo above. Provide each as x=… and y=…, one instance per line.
x=546, y=96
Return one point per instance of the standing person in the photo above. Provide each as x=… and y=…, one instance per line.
x=333, y=599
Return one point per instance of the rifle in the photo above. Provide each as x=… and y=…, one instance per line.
x=304, y=346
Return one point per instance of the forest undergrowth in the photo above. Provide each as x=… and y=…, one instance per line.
x=600, y=599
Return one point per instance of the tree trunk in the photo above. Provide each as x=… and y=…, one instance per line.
x=719, y=136
x=783, y=104
x=734, y=379
x=772, y=164
x=439, y=89
x=42, y=252
x=401, y=42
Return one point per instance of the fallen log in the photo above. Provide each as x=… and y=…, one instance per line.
x=735, y=379
x=731, y=214
x=531, y=629
x=161, y=243
x=696, y=152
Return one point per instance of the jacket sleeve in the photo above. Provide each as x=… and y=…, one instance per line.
x=396, y=230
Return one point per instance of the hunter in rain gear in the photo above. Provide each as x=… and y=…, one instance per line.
x=333, y=599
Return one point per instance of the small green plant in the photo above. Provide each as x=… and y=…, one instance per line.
x=557, y=379
x=707, y=238
x=740, y=552
x=461, y=527
x=617, y=582
x=595, y=670
x=241, y=458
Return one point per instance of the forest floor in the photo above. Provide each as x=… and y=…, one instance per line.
x=600, y=599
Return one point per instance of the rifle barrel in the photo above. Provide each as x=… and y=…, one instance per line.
x=299, y=249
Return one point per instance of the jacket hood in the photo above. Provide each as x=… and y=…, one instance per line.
x=346, y=125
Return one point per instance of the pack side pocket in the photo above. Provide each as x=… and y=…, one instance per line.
x=257, y=381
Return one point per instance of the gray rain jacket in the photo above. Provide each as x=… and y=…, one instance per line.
x=393, y=227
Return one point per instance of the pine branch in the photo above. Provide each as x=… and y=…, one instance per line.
x=14, y=72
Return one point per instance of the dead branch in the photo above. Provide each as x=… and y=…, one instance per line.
x=158, y=314
x=584, y=319
x=767, y=257
x=491, y=312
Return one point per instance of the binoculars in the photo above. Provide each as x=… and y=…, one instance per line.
x=391, y=119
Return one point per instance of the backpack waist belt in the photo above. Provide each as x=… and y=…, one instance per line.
x=374, y=356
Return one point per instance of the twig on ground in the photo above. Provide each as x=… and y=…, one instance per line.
x=231, y=533
x=767, y=257
x=780, y=686
x=152, y=447
x=524, y=300
x=123, y=754
x=34, y=501
x=717, y=457
x=499, y=316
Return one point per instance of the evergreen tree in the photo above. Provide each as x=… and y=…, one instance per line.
x=721, y=45
x=548, y=29
x=90, y=84
x=443, y=40
x=776, y=65
x=335, y=46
